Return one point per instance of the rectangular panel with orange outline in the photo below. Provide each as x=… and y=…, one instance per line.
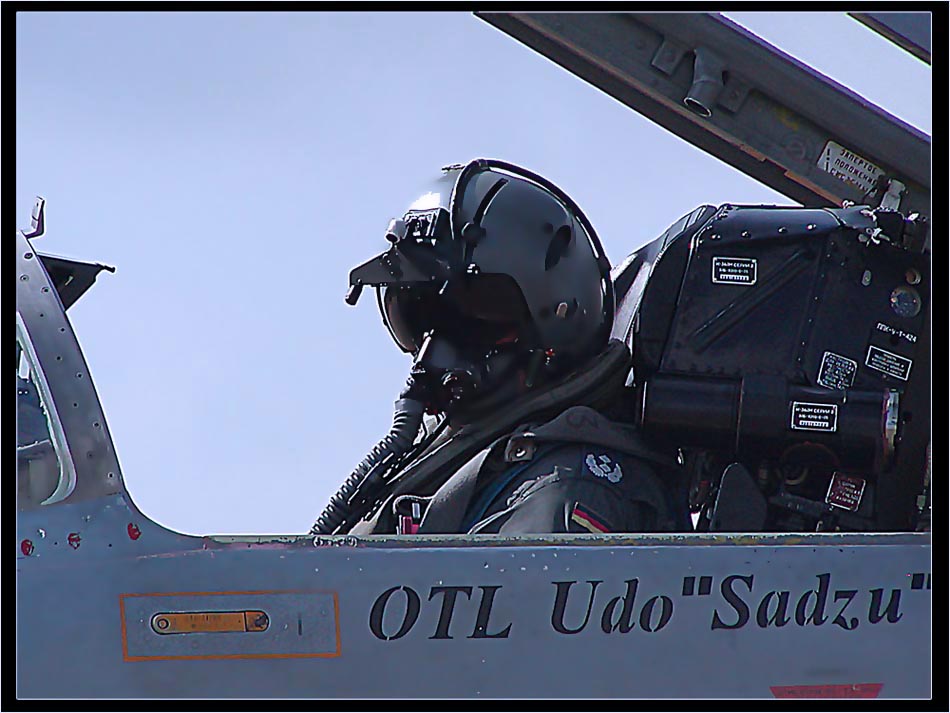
x=230, y=625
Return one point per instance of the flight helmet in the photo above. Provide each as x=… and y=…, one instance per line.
x=492, y=268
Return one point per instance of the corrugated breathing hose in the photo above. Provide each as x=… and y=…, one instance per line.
x=407, y=419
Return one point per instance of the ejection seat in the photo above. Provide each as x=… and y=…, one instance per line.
x=630, y=276
x=793, y=345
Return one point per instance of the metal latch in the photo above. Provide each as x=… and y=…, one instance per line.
x=520, y=448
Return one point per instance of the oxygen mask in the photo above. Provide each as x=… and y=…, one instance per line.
x=448, y=377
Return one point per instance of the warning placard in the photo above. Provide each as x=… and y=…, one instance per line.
x=814, y=417
x=848, y=166
x=891, y=364
x=836, y=371
x=845, y=491
x=734, y=270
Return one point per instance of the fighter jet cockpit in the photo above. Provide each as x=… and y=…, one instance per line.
x=601, y=454
x=769, y=352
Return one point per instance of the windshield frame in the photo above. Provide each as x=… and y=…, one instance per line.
x=67, y=468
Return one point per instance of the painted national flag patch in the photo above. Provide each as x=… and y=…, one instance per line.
x=588, y=519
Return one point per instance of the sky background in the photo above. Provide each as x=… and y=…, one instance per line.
x=234, y=167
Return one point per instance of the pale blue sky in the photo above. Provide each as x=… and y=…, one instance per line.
x=235, y=166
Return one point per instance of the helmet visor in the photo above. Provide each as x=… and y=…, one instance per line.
x=480, y=311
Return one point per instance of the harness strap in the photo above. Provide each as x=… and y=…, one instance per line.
x=450, y=502
x=488, y=495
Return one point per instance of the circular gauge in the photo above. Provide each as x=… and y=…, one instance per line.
x=905, y=301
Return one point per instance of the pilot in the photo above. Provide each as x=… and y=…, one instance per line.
x=497, y=285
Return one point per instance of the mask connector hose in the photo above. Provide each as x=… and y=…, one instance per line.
x=407, y=420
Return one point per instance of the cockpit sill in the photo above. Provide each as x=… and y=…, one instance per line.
x=730, y=539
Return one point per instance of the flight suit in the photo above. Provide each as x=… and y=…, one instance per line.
x=579, y=472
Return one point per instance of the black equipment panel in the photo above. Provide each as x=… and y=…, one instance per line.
x=773, y=331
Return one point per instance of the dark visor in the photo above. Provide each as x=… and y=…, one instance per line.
x=475, y=311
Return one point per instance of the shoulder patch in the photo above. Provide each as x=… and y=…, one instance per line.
x=588, y=519
x=604, y=467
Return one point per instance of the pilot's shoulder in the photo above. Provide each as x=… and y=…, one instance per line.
x=583, y=425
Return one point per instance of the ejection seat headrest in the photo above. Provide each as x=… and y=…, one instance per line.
x=630, y=277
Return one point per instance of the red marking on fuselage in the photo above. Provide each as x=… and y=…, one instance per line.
x=834, y=690
x=26, y=547
x=134, y=531
x=73, y=540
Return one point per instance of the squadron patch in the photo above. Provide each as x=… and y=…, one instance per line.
x=601, y=467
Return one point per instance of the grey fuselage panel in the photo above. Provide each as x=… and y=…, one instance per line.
x=448, y=616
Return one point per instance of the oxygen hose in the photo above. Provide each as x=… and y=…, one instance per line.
x=407, y=419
